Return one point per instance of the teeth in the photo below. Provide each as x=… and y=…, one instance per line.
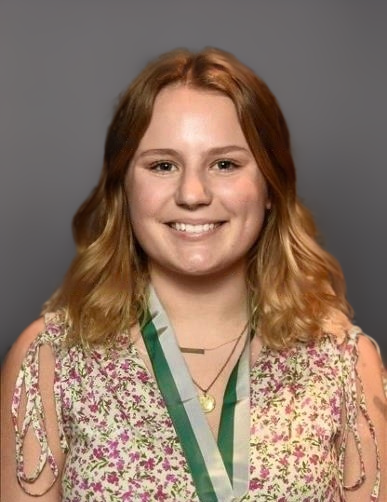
x=194, y=229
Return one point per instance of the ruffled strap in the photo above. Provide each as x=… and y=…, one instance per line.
x=34, y=418
x=355, y=404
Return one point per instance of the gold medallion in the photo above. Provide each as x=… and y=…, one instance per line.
x=207, y=402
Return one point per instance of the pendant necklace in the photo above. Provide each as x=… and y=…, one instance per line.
x=207, y=401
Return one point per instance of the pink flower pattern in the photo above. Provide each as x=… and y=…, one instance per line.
x=121, y=444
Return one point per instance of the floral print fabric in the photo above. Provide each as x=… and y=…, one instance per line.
x=121, y=445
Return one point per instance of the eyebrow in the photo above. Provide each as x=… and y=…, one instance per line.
x=220, y=150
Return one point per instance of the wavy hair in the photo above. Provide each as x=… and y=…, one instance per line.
x=293, y=283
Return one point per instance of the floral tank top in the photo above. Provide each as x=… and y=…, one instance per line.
x=121, y=445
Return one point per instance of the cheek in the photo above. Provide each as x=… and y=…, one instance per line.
x=142, y=200
x=252, y=207
x=145, y=207
x=137, y=204
x=138, y=214
x=250, y=200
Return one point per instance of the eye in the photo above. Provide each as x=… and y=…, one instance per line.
x=226, y=165
x=162, y=167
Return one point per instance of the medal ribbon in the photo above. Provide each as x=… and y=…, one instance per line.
x=220, y=471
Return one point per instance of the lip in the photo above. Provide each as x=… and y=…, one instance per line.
x=195, y=234
x=195, y=222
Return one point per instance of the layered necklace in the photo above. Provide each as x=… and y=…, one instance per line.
x=207, y=400
x=220, y=469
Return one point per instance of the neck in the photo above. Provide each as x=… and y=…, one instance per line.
x=203, y=310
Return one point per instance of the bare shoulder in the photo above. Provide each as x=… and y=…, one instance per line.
x=12, y=418
x=22, y=343
x=14, y=359
x=370, y=367
x=368, y=350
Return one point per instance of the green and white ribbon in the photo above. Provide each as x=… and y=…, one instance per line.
x=220, y=471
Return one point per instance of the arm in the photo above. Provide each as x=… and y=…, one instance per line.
x=10, y=488
x=369, y=368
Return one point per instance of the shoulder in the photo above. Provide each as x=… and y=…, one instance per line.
x=349, y=339
x=27, y=386
x=18, y=352
x=363, y=370
x=345, y=346
x=37, y=346
x=354, y=344
x=370, y=368
x=359, y=353
x=47, y=330
x=20, y=347
x=30, y=334
x=369, y=352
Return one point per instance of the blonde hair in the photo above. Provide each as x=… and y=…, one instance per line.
x=293, y=283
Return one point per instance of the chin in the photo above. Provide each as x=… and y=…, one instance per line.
x=205, y=270
x=198, y=266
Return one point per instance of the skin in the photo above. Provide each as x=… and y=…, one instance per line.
x=202, y=172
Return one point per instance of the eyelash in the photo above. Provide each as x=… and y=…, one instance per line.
x=232, y=164
x=156, y=165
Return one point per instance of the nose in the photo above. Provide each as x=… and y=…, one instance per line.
x=193, y=190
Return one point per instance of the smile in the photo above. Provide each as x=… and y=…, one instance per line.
x=194, y=229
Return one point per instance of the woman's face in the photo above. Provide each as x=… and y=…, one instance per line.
x=197, y=199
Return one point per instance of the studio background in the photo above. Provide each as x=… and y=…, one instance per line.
x=63, y=64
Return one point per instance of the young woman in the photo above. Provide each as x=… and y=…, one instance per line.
x=200, y=347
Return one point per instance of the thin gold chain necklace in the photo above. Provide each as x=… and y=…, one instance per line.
x=203, y=350
x=207, y=401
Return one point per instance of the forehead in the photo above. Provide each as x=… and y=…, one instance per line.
x=191, y=116
x=184, y=95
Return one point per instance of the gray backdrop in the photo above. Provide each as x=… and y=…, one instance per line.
x=63, y=63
